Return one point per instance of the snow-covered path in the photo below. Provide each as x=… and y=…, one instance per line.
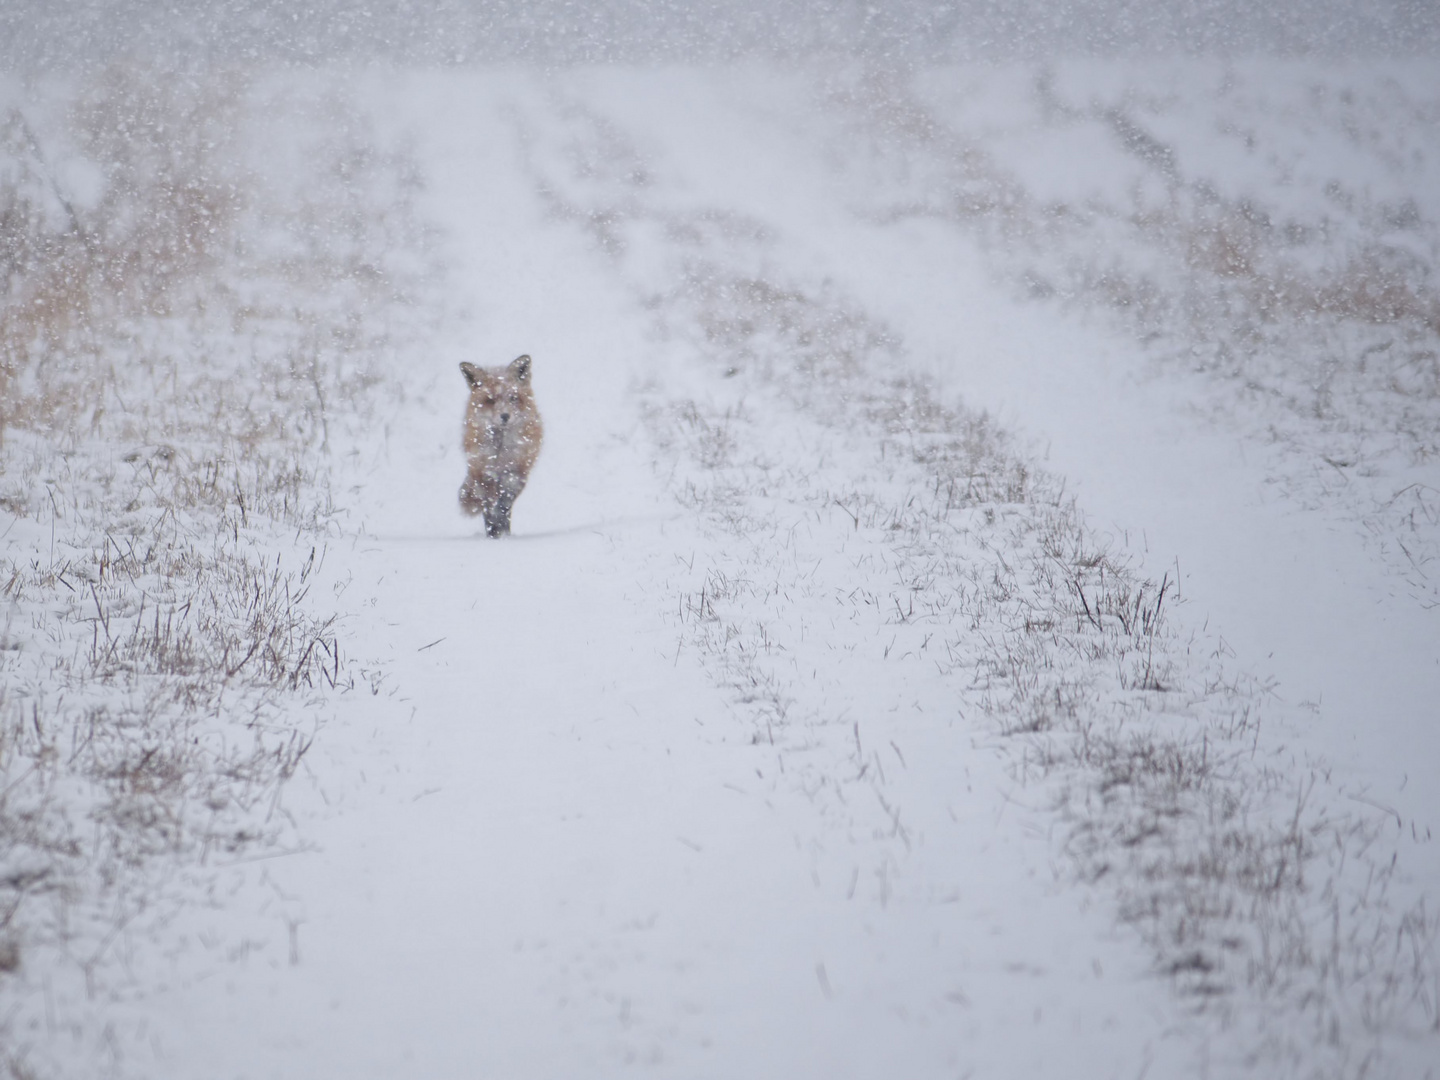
x=547, y=849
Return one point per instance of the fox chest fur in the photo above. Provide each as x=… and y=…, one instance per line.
x=502, y=435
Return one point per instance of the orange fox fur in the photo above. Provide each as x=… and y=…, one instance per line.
x=502, y=435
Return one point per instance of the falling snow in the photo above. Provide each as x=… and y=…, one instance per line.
x=974, y=613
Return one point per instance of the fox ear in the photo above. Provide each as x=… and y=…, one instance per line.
x=471, y=373
x=520, y=367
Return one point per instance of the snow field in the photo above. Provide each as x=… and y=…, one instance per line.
x=627, y=879
x=805, y=727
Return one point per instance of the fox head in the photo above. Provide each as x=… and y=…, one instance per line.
x=500, y=395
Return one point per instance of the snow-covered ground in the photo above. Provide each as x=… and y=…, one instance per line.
x=781, y=739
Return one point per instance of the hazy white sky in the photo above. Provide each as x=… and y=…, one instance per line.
x=62, y=32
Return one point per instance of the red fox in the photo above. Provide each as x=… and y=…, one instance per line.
x=502, y=440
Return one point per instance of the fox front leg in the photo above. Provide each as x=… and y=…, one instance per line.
x=497, y=517
x=472, y=499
